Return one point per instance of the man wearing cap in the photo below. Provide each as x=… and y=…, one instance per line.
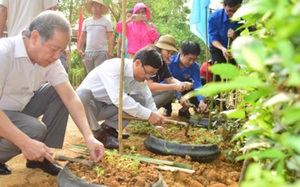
x=95, y=32
x=164, y=94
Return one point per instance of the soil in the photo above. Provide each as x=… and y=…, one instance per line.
x=218, y=173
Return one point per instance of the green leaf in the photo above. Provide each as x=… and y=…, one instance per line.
x=294, y=79
x=250, y=51
x=291, y=142
x=294, y=163
x=238, y=114
x=291, y=115
x=260, y=93
x=249, y=132
x=269, y=153
x=278, y=98
x=226, y=71
x=255, y=7
x=240, y=82
x=254, y=171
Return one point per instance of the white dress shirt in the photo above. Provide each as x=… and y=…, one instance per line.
x=104, y=82
x=20, y=78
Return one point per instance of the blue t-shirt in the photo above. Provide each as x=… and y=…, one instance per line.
x=218, y=25
x=186, y=74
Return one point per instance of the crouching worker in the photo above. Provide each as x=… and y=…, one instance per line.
x=99, y=93
x=33, y=83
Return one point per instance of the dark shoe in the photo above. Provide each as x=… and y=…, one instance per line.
x=109, y=141
x=46, y=166
x=113, y=132
x=184, y=112
x=167, y=112
x=4, y=169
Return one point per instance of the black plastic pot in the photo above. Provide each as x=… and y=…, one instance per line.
x=67, y=179
x=200, y=153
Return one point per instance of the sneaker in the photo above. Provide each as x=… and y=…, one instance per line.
x=4, y=169
x=167, y=112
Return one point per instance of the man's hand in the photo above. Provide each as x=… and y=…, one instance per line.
x=225, y=52
x=156, y=119
x=231, y=34
x=96, y=149
x=188, y=86
x=81, y=53
x=204, y=107
x=179, y=87
x=37, y=151
x=184, y=102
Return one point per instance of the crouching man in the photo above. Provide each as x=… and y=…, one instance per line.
x=33, y=83
x=99, y=93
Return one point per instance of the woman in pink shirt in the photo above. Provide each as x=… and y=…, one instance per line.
x=139, y=31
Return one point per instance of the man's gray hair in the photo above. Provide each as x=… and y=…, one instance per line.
x=47, y=22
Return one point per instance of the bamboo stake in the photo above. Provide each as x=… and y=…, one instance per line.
x=170, y=168
x=120, y=121
x=206, y=41
x=156, y=161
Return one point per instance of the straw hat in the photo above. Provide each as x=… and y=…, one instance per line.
x=167, y=42
x=104, y=8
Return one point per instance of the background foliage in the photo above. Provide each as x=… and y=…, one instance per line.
x=168, y=16
x=270, y=79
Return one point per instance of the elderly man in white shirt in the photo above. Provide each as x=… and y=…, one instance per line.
x=99, y=93
x=33, y=83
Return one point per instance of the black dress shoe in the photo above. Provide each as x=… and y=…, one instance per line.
x=109, y=141
x=183, y=112
x=46, y=166
x=113, y=132
x=4, y=169
x=167, y=112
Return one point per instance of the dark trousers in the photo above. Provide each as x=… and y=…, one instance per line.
x=50, y=129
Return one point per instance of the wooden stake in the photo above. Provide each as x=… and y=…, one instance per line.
x=171, y=168
x=120, y=121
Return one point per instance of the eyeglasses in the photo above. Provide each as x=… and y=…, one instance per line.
x=147, y=73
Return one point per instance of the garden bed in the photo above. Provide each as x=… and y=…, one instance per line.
x=221, y=171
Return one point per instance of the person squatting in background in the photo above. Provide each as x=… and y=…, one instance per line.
x=185, y=68
x=163, y=85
